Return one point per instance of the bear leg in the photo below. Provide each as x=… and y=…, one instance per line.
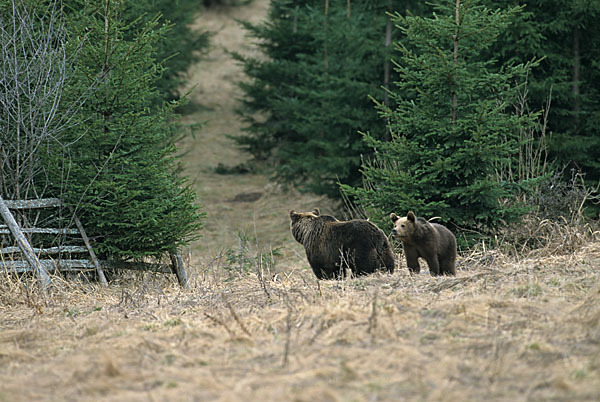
x=412, y=260
x=434, y=265
x=388, y=261
x=448, y=267
x=322, y=273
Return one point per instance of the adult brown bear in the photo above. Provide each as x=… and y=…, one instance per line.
x=333, y=246
x=430, y=241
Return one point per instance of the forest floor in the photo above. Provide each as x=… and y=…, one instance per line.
x=256, y=325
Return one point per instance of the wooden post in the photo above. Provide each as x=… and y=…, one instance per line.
x=91, y=251
x=179, y=270
x=34, y=262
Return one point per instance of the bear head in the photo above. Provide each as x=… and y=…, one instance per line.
x=403, y=227
x=297, y=216
x=303, y=223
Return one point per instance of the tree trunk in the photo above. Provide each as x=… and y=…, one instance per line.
x=295, y=21
x=325, y=39
x=456, y=39
x=386, y=63
x=106, y=67
x=575, y=89
x=106, y=36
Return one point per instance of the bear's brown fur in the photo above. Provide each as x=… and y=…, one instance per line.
x=332, y=246
x=430, y=241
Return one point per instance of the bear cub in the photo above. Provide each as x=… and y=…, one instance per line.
x=333, y=246
x=430, y=241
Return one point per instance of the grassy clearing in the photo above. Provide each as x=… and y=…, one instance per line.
x=503, y=329
x=257, y=325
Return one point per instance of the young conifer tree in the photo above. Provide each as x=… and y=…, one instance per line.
x=117, y=166
x=453, y=125
x=178, y=50
x=307, y=99
x=565, y=34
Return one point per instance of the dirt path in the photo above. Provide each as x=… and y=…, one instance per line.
x=236, y=204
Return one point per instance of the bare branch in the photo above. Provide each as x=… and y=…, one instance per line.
x=35, y=68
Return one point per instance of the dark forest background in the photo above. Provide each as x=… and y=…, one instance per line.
x=473, y=111
x=478, y=112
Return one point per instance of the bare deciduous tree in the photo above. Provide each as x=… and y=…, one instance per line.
x=34, y=70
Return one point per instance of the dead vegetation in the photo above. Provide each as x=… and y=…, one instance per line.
x=504, y=328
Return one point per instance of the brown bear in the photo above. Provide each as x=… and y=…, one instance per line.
x=430, y=241
x=332, y=246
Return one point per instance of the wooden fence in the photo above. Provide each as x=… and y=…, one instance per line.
x=63, y=256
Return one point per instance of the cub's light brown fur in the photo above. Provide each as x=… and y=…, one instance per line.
x=430, y=241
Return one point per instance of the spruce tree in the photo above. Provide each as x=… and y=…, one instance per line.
x=117, y=166
x=453, y=125
x=308, y=98
x=565, y=35
x=178, y=50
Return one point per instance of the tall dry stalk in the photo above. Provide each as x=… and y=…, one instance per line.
x=288, y=337
x=531, y=161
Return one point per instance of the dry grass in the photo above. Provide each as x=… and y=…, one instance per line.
x=502, y=330
x=256, y=324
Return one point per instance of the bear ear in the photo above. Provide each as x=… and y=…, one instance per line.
x=411, y=216
x=394, y=217
x=316, y=211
